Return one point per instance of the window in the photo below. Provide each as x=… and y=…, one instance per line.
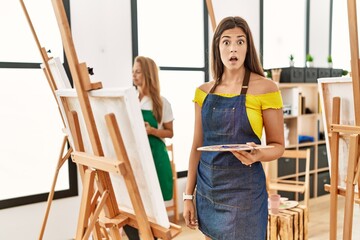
x=177, y=44
x=284, y=33
x=31, y=125
x=340, y=47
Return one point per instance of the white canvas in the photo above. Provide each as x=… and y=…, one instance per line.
x=126, y=107
x=58, y=72
x=337, y=87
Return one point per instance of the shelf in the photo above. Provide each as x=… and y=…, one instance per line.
x=292, y=85
x=299, y=98
x=307, y=144
x=290, y=117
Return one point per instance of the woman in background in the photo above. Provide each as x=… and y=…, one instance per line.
x=158, y=118
x=231, y=196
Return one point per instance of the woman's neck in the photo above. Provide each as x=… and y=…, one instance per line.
x=233, y=76
x=142, y=93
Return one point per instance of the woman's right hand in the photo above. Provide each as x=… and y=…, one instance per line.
x=189, y=214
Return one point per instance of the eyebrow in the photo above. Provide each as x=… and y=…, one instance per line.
x=239, y=36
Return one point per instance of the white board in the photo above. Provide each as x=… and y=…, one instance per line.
x=328, y=89
x=126, y=107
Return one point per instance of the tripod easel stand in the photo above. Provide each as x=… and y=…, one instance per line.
x=64, y=154
x=337, y=131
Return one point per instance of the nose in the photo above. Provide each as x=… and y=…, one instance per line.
x=233, y=48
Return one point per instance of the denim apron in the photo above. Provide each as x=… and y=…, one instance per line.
x=231, y=198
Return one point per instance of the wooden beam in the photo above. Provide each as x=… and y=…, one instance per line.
x=334, y=171
x=133, y=190
x=354, y=49
x=79, y=73
x=347, y=129
x=98, y=162
x=350, y=188
x=210, y=9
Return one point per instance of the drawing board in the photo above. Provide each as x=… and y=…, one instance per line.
x=328, y=89
x=126, y=107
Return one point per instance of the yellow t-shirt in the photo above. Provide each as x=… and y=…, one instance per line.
x=254, y=106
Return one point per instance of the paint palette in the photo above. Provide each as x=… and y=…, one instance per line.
x=231, y=147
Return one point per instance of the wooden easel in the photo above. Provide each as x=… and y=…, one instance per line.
x=101, y=205
x=353, y=170
x=99, y=212
x=64, y=154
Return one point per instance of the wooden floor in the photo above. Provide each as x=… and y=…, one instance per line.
x=319, y=218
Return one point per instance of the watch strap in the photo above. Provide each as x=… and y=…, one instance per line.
x=187, y=197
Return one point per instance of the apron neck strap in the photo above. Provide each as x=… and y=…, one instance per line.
x=245, y=84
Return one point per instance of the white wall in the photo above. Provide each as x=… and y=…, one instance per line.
x=102, y=36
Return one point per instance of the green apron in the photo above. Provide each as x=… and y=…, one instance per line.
x=161, y=158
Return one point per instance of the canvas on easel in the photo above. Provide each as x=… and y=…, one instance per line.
x=343, y=145
x=328, y=89
x=337, y=131
x=126, y=107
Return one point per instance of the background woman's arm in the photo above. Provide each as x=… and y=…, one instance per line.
x=167, y=132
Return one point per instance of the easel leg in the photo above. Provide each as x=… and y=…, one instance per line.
x=334, y=146
x=119, y=147
x=349, y=197
x=52, y=191
x=85, y=206
x=99, y=206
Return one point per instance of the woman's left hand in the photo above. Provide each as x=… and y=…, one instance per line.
x=247, y=157
x=148, y=128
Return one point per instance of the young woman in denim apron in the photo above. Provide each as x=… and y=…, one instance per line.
x=231, y=196
x=158, y=120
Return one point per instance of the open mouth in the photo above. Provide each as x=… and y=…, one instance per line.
x=233, y=59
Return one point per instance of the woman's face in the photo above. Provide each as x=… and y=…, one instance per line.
x=233, y=47
x=138, y=76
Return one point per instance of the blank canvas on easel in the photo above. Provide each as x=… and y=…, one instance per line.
x=126, y=107
x=337, y=87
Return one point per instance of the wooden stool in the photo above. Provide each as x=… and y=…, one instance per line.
x=290, y=224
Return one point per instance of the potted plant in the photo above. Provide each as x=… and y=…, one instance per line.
x=292, y=62
x=329, y=60
x=309, y=60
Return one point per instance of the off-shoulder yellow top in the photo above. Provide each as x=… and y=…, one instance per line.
x=255, y=104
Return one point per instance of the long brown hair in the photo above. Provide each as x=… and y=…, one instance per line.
x=252, y=61
x=152, y=84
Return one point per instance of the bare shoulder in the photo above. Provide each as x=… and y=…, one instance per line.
x=206, y=87
x=261, y=85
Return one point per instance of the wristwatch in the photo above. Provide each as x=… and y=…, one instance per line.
x=188, y=197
